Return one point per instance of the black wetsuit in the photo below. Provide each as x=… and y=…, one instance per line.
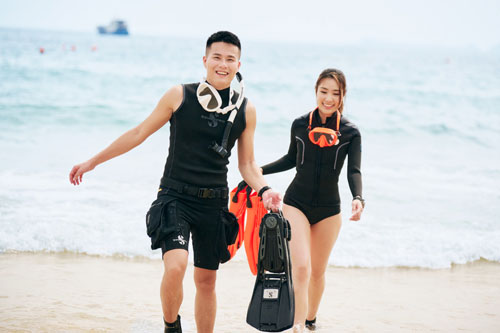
x=193, y=193
x=192, y=131
x=314, y=190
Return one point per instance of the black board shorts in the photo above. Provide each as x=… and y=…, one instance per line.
x=183, y=216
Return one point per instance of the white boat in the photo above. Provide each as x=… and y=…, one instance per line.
x=116, y=27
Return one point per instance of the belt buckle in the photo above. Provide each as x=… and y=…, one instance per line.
x=206, y=193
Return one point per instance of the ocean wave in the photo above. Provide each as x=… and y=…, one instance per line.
x=429, y=127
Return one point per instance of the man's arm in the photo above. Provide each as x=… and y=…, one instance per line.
x=249, y=169
x=134, y=137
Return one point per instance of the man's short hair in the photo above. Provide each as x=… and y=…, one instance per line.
x=223, y=36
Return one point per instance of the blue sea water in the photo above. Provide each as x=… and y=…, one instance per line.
x=429, y=117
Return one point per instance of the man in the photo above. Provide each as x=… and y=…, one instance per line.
x=193, y=190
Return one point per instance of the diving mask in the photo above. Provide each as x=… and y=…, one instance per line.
x=324, y=136
x=210, y=100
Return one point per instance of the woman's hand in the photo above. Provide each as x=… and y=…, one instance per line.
x=357, y=209
x=76, y=174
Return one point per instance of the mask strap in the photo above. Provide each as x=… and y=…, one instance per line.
x=338, y=121
x=237, y=105
x=311, y=116
x=310, y=120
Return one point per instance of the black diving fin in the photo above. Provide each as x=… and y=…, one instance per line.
x=272, y=306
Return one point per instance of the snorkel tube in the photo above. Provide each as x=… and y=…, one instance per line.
x=222, y=148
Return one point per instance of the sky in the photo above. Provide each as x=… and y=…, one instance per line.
x=430, y=22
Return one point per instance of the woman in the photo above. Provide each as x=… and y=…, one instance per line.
x=319, y=143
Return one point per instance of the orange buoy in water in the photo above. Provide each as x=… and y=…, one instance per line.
x=42, y=50
x=73, y=48
x=94, y=48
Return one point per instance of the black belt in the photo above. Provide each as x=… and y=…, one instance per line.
x=200, y=192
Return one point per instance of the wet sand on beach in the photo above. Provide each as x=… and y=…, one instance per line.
x=66, y=292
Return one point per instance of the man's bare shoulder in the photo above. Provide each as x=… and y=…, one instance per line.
x=250, y=106
x=172, y=99
x=250, y=112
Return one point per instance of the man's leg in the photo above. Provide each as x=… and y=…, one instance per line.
x=206, y=300
x=175, y=263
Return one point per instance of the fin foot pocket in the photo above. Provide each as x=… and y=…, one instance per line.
x=272, y=306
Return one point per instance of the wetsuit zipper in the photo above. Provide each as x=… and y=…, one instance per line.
x=318, y=172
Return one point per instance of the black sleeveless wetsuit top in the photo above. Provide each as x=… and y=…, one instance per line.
x=318, y=169
x=192, y=131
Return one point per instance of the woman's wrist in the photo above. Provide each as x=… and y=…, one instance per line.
x=358, y=197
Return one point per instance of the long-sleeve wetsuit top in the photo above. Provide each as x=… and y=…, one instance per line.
x=318, y=169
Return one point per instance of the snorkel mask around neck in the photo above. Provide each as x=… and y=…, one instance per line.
x=324, y=136
x=210, y=100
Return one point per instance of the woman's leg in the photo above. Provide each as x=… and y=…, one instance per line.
x=323, y=237
x=301, y=259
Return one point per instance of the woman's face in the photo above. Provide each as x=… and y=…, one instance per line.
x=328, y=96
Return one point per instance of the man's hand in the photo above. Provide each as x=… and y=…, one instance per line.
x=76, y=174
x=271, y=200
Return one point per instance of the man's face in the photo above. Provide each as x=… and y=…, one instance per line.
x=222, y=63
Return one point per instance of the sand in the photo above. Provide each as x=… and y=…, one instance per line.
x=65, y=292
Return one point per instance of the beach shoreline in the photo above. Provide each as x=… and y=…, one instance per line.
x=69, y=292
